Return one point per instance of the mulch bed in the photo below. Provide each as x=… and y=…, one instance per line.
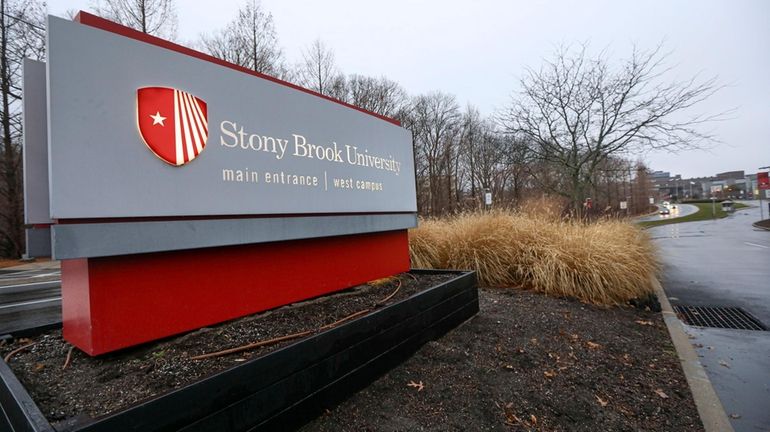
x=92, y=387
x=525, y=362
x=530, y=362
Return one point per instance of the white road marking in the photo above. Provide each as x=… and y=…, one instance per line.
x=46, y=275
x=48, y=300
x=756, y=245
x=31, y=284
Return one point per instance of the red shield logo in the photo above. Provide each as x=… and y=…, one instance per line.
x=173, y=123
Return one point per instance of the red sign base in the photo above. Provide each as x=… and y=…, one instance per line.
x=111, y=303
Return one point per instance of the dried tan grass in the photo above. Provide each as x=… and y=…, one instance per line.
x=607, y=262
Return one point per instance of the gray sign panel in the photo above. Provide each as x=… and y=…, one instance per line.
x=38, y=242
x=270, y=149
x=125, y=238
x=35, y=144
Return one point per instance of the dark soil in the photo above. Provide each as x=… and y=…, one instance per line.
x=525, y=362
x=530, y=362
x=96, y=386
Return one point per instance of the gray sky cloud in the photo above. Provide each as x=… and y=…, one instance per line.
x=478, y=50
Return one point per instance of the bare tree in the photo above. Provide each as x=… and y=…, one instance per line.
x=471, y=133
x=338, y=88
x=155, y=17
x=22, y=34
x=577, y=111
x=436, y=120
x=317, y=71
x=250, y=40
x=381, y=96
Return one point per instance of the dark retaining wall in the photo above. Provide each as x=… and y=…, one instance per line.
x=287, y=387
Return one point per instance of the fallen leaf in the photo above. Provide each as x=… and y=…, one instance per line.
x=626, y=360
x=549, y=374
x=627, y=412
x=239, y=360
x=509, y=367
x=513, y=420
x=660, y=393
x=601, y=401
x=39, y=367
x=419, y=386
x=644, y=323
x=593, y=345
x=534, y=419
x=724, y=363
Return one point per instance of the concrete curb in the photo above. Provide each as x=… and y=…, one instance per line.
x=710, y=409
x=756, y=225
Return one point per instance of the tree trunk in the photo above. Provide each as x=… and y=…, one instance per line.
x=10, y=170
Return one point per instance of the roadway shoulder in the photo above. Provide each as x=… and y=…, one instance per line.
x=709, y=406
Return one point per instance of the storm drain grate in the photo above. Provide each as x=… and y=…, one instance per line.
x=718, y=317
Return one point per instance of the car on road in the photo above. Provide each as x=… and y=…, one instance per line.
x=665, y=211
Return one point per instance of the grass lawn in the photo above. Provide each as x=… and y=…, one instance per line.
x=703, y=213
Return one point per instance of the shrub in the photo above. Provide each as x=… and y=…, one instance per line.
x=606, y=262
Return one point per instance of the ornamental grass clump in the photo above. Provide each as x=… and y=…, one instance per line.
x=607, y=262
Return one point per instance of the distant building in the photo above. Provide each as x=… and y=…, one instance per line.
x=729, y=184
x=752, y=187
x=667, y=187
x=731, y=175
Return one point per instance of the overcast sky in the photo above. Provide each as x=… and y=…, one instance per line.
x=478, y=51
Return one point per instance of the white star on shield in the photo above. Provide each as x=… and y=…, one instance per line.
x=157, y=119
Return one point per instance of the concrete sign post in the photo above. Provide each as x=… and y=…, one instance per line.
x=35, y=160
x=187, y=191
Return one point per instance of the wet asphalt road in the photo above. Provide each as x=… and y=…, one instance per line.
x=29, y=297
x=725, y=262
x=681, y=210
